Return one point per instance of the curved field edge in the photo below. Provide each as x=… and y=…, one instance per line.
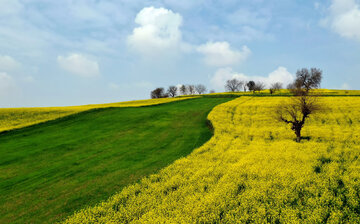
x=50, y=170
x=251, y=170
x=16, y=118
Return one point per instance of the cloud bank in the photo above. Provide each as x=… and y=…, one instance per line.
x=281, y=74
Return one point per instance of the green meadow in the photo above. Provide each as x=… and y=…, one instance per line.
x=50, y=170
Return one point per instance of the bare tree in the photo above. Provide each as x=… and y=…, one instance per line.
x=259, y=86
x=212, y=91
x=191, y=89
x=233, y=85
x=275, y=87
x=305, y=81
x=303, y=104
x=172, y=91
x=250, y=85
x=183, y=90
x=290, y=86
x=297, y=111
x=200, y=89
x=158, y=93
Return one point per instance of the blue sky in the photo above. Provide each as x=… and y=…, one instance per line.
x=74, y=52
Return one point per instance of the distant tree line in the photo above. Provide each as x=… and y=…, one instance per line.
x=294, y=112
x=232, y=85
x=174, y=91
x=235, y=85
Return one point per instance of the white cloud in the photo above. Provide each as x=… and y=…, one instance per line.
x=281, y=74
x=80, y=65
x=344, y=18
x=220, y=54
x=7, y=63
x=158, y=31
x=220, y=77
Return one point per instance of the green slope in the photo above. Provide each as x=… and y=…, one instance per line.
x=50, y=170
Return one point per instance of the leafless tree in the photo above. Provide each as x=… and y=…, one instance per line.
x=259, y=86
x=305, y=81
x=233, y=85
x=275, y=87
x=158, y=93
x=191, y=89
x=212, y=91
x=303, y=103
x=172, y=91
x=296, y=111
x=290, y=86
x=200, y=89
x=183, y=90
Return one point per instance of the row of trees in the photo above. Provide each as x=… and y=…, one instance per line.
x=235, y=85
x=294, y=112
x=298, y=109
x=173, y=91
x=232, y=85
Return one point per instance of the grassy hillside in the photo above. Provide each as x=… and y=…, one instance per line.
x=12, y=118
x=252, y=171
x=48, y=171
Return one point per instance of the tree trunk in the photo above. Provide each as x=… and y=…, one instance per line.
x=298, y=135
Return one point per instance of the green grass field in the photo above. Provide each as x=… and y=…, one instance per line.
x=50, y=170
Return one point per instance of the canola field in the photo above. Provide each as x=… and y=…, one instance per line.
x=286, y=92
x=13, y=118
x=252, y=171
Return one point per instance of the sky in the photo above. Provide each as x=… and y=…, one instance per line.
x=75, y=52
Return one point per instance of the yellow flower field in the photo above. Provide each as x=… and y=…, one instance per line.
x=324, y=92
x=252, y=170
x=12, y=118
